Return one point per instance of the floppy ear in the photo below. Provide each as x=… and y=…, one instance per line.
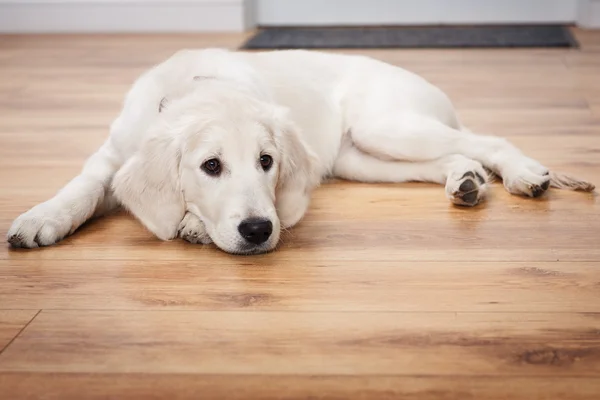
x=148, y=186
x=298, y=171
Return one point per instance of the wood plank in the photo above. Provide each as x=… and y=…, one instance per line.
x=12, y=322
x=255, y=284
x=60, y=386
x=305, y=343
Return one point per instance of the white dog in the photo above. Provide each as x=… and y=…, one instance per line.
x=221, y=146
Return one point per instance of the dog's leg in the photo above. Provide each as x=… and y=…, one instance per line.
x=85, y=196
x=416, y=138
x=465, y=179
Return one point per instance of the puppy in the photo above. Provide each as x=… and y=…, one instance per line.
x=226, y=147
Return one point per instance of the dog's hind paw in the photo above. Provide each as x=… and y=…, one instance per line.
x=469, y=189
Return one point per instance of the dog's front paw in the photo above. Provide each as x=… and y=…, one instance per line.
x=43, y=225
x=192, y=230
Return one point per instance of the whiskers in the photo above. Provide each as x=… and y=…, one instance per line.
x=284, y=233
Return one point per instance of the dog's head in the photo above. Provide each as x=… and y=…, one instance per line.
x=224, y=156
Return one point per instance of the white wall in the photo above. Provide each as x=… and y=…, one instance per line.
x=240, y=15
x=123, y=15
x=416, y=12
x=588, y=15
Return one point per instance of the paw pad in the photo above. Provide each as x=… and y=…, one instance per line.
x=539, y=190
x=468, y=192
x=15, y=241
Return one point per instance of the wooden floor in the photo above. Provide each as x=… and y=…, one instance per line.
x=383, y=291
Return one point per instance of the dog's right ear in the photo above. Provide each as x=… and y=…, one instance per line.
x=148, y=185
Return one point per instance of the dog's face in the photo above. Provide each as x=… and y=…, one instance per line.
x=225, y=157
x=229, y=175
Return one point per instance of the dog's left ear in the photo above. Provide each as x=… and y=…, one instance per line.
x=299, y=167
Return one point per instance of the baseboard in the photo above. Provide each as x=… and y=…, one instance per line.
x=115, y=16
x=413, y=12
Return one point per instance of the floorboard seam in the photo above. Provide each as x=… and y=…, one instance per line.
x=19, y=333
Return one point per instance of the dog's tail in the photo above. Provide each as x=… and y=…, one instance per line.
x=562, y=181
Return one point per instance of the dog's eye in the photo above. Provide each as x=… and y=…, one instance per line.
x=212, y=167
x=266, y=161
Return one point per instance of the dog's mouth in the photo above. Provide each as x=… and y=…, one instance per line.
x=245, y=250
x=250, y=250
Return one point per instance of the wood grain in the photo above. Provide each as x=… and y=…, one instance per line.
x=473, y=344
x=71, y=386
x=333, y=286
x=382, y=291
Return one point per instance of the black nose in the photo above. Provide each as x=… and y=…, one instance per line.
x=256, y=230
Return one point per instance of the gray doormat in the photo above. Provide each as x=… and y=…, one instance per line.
x=413, y=37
